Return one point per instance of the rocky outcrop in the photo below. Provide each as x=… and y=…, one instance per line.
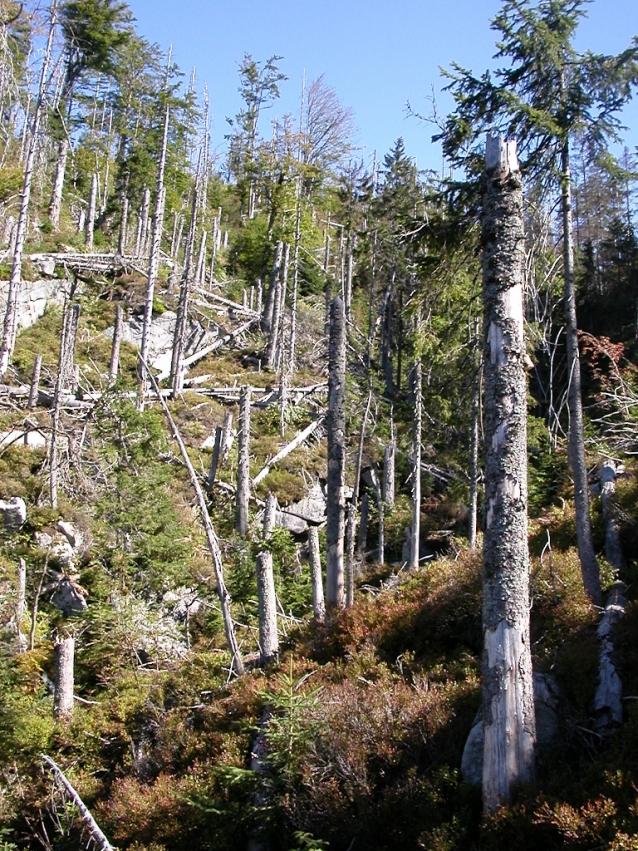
x=13, y=512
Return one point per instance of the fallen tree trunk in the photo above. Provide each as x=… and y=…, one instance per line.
x=299, y=438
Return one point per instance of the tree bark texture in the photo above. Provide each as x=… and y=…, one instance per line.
x=115, y=347
x=351, y=525
x=90, y=215
x=55, y=207
x=21, y=603
x=336, y=426
x=181, y=322
x=389, y=458
x=508, y=699
x=35, y=382
x=64, y=680
x=613, y=547
x=588, y=562
x=415, y=531
x=243, y=463
x=474, y=462
x=270, y=515
x=269, y=304
x=314, y=557
x=267, y=601
x=65, y=370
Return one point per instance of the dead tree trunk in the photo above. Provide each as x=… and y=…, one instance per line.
x=211, y=537
x=10, y=325
x=474, y=460
x=415, y=531
x=214, y=461
x=270, y=515
x=613, y=548
x=336, y=426
x=35, y=382
x=362, y=537
x=227, y=437
x=243, y=463
x=65, y=371
x=314, y=557
x=508, y=699
x=267, y=601
x=181, y=322
x=123, y=235
x=153, y=261
x=21, y=603
x=64, y=678
x=142, y=231
x=389, y=459
x=352, y=509
x=55, y=206
x=115, y=347
x=269, y=304
x=90, y=215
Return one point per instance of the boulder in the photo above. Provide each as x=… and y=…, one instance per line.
x=13, y=512
x=69, y=597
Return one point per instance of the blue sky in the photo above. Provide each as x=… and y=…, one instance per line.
x=376, y=55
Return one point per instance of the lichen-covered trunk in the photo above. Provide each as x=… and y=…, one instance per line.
x=243, y=463
x=588, y=563
x=267, y=602
x=336, y=426
x=64, y=678
x=508, y=700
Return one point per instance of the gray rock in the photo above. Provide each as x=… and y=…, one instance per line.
x=547, y=702
x=69, y=597
x=14, y=513
x=73, y=536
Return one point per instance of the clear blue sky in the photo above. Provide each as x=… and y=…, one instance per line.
x=376, y=55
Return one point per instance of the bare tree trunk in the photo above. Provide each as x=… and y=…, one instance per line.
x=613, y=548
x=267, y=601
x=508, y=699
x=314, y=557
x=269, y=305
x=115, y=347
x=123, y=235
x=21, y=603
x=227, y=437
x=214, y=461
x=141, y=247
x=474, y=461
x=381, y=537
x=90, y=216
x=64, y=679
x=362, y=537
x=389, y=467
x=10, y=325
x=295, y=283
x=588, y=562
x=352, y=509
x=243, y=463
x=211, y=537
x=200, y=268
x=55, y=207
x=65, y=370
x=35, y=382
x=279, y=359
x=153, y=262
x=415, y=532
x=270, y=515
x=336, y=425
x=96, y=834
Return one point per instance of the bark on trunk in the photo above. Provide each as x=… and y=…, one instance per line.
x=613, y=548
x=64, y=679
x=35, y=382
x=243, y=463
x=351, y=526
x=181, y=322
x=65, y=371
x=389, y=467
x=314, y=557
x=336, y=425
x=588, y=562
x=21, y=603
x=115, y=347
x=214, y=461
x=55, y=207
x=10, y=325
x=508, y=699
x=269, y=305
x=267, y=601
x=142, y=236
x=270, y=515
x=415, y=531
x=474, y=462
x=90, y=215
x=227, y=437
x=362, y=537
x=123, y=235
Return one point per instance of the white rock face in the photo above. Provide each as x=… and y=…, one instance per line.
x=33, y=299
x=33, y=438
x=13, y=512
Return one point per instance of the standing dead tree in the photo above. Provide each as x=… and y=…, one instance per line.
x=65, y=371
x=336, y=427
x=508, y=699
x=242, y=497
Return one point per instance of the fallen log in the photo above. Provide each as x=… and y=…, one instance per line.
x=299, y=438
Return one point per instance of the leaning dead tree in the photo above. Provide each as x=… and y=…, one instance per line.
x=508, y=698
x=336, y=428
x=10, y=327
x=96, y=834
x=211, y=537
